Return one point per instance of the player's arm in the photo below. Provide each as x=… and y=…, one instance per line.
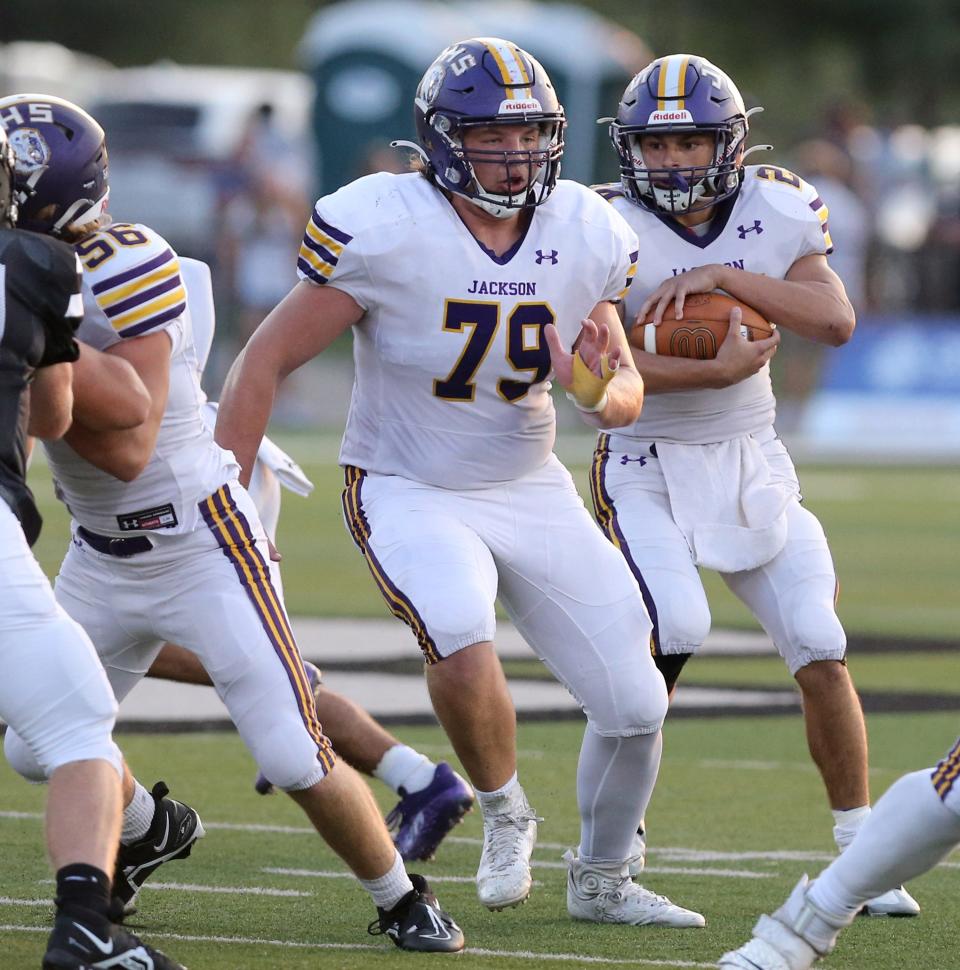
x=108, y=393
x=810, y=300
x=599, y=375
x=300, y=327
x=51, y=402
x=125, y=453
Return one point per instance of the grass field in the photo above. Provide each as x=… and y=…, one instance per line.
x=738, y=815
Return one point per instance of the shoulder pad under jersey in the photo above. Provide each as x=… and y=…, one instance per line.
x=134, y=276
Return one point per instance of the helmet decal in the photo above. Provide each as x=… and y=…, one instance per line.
x=61, y=162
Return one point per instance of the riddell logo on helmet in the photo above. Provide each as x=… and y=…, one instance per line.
x=516, y=107
x=670, y=118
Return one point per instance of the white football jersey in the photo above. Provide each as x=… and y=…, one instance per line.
x=451, y=378
x=775, y=219
x=132, y=286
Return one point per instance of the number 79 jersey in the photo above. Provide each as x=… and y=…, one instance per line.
x=451, y=364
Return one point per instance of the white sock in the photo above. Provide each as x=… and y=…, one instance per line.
x=846, y=824
x=507, y=798
x=138, y=815
x=402, y=767
x=390, y=888
x=907, y=833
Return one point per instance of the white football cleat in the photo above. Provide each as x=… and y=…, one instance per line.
x=602, y=893
x=503, y=878
x=794, y=938
x=895, y=902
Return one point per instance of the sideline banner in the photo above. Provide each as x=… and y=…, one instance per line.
x=892, y=392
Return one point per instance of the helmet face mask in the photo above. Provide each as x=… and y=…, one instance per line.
x=476, y=106
x=61, y=162
x=677, y=95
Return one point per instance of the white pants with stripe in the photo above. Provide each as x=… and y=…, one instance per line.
x=792, y=595
x=440, y=559
x=210, y=591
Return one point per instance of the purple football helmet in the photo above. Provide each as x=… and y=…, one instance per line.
x=8, y=205
x=480, y=82
x=61, y=162
x=672, y=95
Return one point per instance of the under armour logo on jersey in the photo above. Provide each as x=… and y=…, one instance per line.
x=756, y=227
x=626, y=459
x=553, y=256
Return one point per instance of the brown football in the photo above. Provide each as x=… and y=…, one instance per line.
x=700, y=332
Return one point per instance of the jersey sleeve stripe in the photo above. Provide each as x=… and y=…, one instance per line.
x=329, y=230
x=139, y=295
x=170, y=270
x=153, y=322
x=309, y=272
x=146, y=312
x=130, y=274
x=631, y=273
x=823, y=214
x=322, y=240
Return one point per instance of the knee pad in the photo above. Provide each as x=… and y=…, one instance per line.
x=287, y=756
x=682, y=623
x=637, y=705
x=21, y=758
x=670, y=665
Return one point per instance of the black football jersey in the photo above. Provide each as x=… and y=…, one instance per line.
x=40, y=308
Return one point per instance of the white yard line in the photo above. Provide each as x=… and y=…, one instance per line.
x=473, y=951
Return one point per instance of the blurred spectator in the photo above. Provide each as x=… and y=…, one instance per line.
x=831, y=170
x=263, y=221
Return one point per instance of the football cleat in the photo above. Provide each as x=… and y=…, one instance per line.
x=503, y=878
x=314, y=675
x=421, y=819
x=895, y=902
x=605, y=893
x=174, y=829
x=76, y=944
x=418, y=923
x=794, y=938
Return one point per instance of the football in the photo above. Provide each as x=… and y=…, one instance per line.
x=700, y=332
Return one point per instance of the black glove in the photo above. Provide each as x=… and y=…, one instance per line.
x=60, y=347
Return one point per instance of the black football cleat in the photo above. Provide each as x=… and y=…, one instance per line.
x=76, y=944
x=418, y=923
x=174, y=829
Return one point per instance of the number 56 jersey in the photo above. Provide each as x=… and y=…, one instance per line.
x=451, y=364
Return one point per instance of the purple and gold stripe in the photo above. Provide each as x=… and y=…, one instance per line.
x=235, y=538
x=143, y=297
x=321, y=249
x=397, y=601
x=606, y=515
x=513, y=72
x=945, y=774
x=672, y=83
x=631, y=273
x=823, y=214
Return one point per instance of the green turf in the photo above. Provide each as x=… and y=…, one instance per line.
x=892, y=533
x=737, y=785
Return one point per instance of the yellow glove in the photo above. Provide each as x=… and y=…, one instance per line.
x=587, y=391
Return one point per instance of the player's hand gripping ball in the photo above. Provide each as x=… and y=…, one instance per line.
x=701, y=330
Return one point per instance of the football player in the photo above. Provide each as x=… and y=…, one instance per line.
x=168, y=546
x=53, y=690
x=702, y=478
x=914, y=825
x=467, y=284
x=433, y=797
